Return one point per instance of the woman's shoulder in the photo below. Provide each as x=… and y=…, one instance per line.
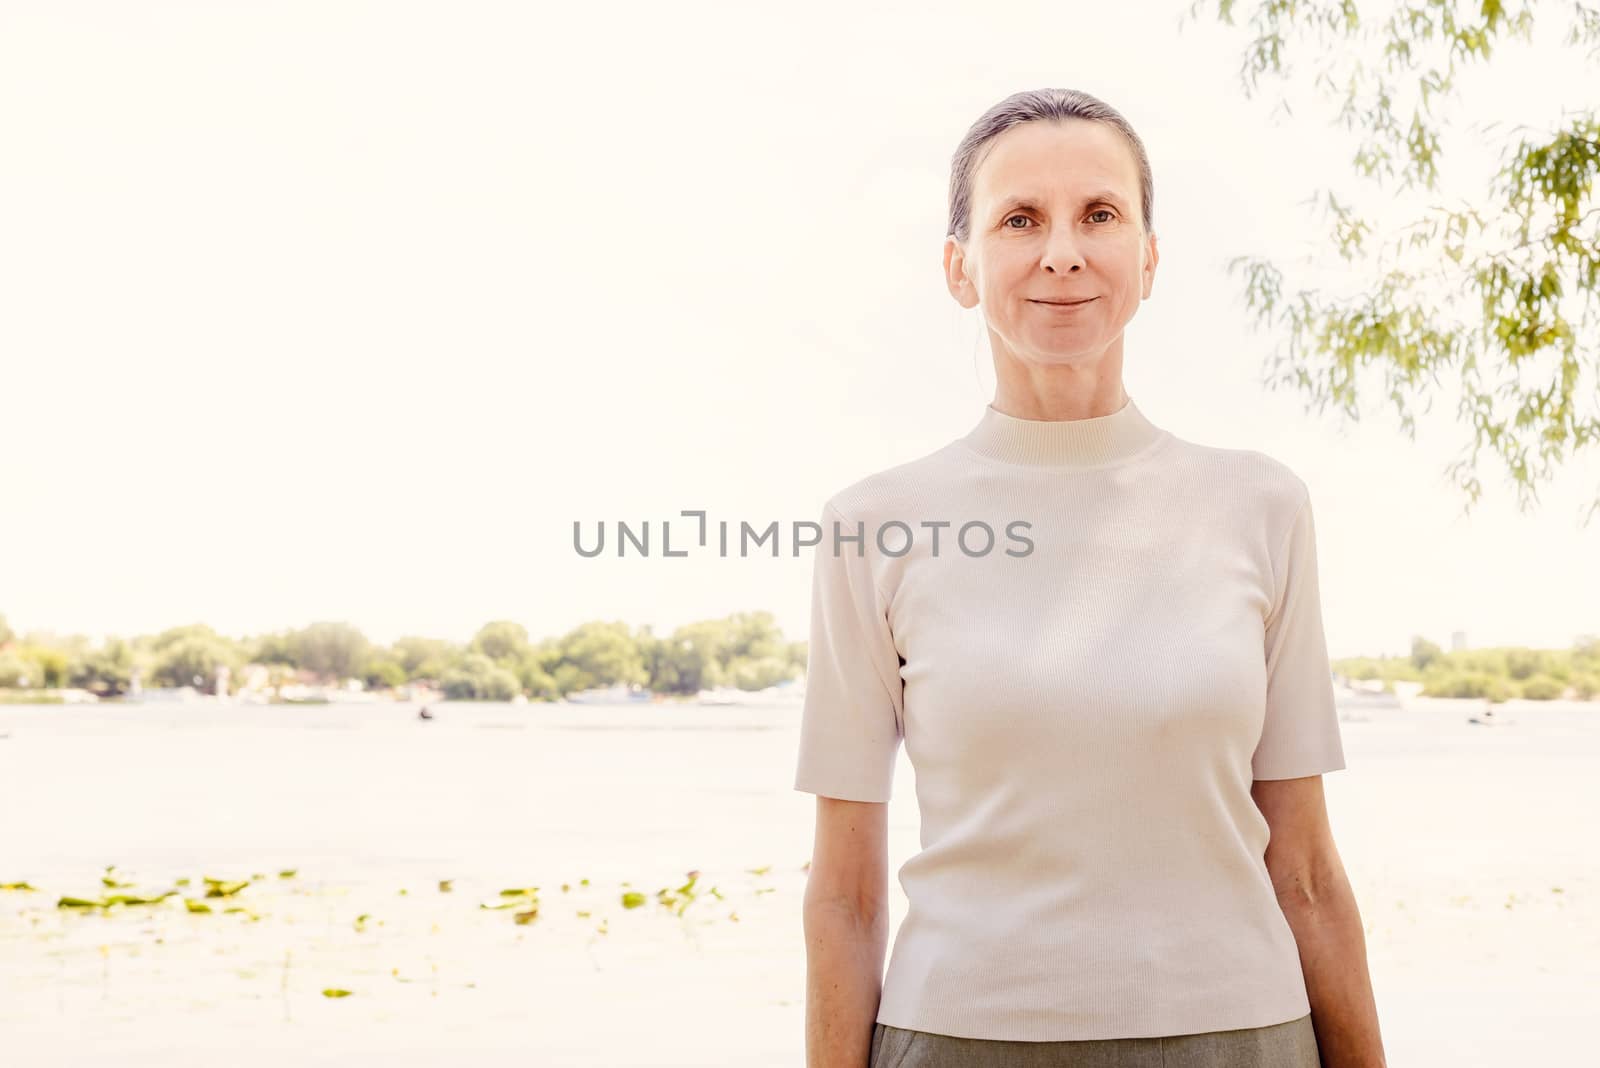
x=892, y=490
x=1260, y=475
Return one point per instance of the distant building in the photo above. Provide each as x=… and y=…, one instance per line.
x=1458, y=641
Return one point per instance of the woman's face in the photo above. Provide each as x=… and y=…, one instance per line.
x=1055, y=217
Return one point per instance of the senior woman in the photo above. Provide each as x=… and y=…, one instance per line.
x=1118, y=716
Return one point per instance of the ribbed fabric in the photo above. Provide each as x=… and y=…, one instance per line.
x=1085, y=707
x=1070, y=443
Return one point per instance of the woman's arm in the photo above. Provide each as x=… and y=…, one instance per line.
x=844, y=968
x=1316, y=899
x=846, y=920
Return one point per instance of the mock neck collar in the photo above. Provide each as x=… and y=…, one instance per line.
x=1070, y=443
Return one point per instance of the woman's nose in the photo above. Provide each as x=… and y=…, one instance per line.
x=1061, y=252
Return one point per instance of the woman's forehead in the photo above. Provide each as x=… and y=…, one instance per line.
x=1057, y=163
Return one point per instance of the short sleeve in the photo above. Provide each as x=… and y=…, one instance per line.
x=850, y=727
x=1300, y=733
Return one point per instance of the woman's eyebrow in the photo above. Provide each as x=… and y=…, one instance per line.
x=1105, y=195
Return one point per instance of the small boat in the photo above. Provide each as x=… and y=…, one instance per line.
x=787, y=692
x=1356, y=705
x=1489, y=718
x=621, y=693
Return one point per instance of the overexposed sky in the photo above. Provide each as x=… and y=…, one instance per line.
x=348, y=311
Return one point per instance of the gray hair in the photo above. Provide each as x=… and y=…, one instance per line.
x=1030, y=106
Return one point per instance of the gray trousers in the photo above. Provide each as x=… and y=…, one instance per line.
x=1286, y=1045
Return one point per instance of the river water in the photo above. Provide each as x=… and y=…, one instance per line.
x=1470, y=849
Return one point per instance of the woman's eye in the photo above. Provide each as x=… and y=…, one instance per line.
x=1101, y=211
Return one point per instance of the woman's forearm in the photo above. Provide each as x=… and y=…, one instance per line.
x=1333, y=956
x=844, y=982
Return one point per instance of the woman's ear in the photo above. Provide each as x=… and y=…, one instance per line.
x=1151, y=258
x=961, y=283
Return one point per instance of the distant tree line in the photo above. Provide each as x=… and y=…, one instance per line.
x=744, y=650
x=1498, y=674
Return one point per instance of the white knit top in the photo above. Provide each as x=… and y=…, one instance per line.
x=1084, y=705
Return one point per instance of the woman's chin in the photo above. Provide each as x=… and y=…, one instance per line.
x=1052, y=350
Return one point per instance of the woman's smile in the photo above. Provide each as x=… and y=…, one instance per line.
x=1062, y=307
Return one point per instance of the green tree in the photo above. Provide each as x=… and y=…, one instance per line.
x=605, y=653
x=479, y=678
x=760, y=672
x=1523, y=663
x=277, y=648
x=570, y=678
x=1542, y=688
x=17, y=673
x=193, y=658
x=757, y=654
x=501, y=641
x=1423, y=653
x=1524, y=263
x=1586, y=652
x=753, y=636
x=50, y=667
x=6, y=633
x=334, y=650
x=107, y=671
x=691, y=659
x=536, y=682
x=382, y=671
x=424, y=658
